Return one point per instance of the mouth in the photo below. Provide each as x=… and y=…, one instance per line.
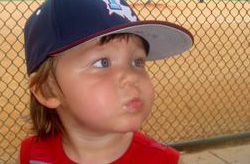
x=134, y=104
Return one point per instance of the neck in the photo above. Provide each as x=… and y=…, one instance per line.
x=96, y=148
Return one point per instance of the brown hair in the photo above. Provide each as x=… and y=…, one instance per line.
x=46, y=122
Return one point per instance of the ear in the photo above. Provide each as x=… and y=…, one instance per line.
x=45, y=100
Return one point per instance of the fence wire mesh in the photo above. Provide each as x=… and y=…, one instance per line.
x=202, y=93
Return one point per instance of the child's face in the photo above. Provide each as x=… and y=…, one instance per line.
x=105, y=87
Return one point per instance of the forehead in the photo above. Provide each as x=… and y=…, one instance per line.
x=104, y=41
x=127, y=36
x=122, y=36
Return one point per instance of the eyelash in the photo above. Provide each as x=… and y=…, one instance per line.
x=105, y=62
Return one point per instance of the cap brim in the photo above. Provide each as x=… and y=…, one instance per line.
x=165, y=39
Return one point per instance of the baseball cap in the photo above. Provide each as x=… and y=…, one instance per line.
x=58, y=25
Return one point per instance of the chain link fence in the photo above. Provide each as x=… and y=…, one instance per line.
x=202, y=93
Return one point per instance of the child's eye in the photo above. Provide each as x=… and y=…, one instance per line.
x=103, y=62
x=140, y=62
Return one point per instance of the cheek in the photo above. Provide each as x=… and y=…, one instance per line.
x=148, y=85
x=147, y=90
x=94, y=95
x=150, y=94
x=103, y=94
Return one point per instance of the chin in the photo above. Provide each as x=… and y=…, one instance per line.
x=127, y=124
x=132, y=126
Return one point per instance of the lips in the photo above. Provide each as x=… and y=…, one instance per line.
x=134, y=104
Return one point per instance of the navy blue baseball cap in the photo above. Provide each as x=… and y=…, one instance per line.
x=58, y=25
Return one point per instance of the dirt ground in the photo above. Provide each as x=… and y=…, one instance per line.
x=201, y=93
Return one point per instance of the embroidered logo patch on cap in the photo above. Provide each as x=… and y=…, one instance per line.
x=115, y=6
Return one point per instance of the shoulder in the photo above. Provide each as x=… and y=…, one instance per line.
x=33, y=142
x=32, y=148
x=25, y=149
x=152, y=149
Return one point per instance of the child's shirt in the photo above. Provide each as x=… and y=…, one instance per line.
x=141, y=151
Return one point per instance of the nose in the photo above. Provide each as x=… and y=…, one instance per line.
x=128, y=77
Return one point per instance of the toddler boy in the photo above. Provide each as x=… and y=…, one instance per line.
x=90, y=90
